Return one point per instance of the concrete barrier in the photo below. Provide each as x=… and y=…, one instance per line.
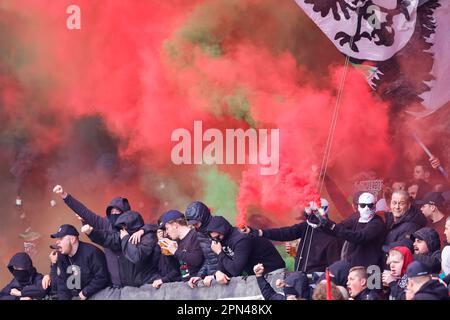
x=245, y=288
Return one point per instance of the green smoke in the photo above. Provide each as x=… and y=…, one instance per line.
x=220, y=192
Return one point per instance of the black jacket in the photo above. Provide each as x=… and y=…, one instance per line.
x=105, y=224
x=90, y=261
x=364, y=240
x=325, y=249
x=410, y=222
x=397, y=289
x=240, y=252
x=190, y=255
x=267, y=291
x=432, y=290
x=31, y=283
x=168, y=268
x=432, y=259
x=367, y=294
x=138, y=264
x=200, y=212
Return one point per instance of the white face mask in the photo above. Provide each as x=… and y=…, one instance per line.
x=365, y=214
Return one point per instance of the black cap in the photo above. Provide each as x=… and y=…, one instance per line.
x=170, y=216
x=401, y=243
x=417, y=269
x=65, y=230
x=432, y=198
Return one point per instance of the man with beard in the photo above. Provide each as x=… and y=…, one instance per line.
x=81, y=267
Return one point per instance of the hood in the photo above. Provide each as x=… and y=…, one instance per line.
x=22, y=260
x=294, y=285
x=200, y=212
x=432, y=289
x=219, y=224
x=131, y=220
x=413, y=215
x=118, y=203
x=339, y=273
x=430, y=236
x=407, y=257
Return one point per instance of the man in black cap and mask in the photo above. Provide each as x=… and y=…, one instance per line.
x=81, y=267
x=138, y=263
x=27, y=282
x=115, y=208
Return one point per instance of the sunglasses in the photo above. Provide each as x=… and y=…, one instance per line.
x=363, y=205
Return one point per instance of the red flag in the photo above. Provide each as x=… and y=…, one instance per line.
x=327, y=274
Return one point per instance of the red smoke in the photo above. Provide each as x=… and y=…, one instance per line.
x=94, y=108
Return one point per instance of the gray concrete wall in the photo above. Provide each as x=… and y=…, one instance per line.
x=237, y=288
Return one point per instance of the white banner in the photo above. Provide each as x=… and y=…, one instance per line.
x=370, y=30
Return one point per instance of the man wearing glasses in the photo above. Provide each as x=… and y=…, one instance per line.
x=363, y=233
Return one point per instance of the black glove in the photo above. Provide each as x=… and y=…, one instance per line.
x=253, y=232
x=326, y=223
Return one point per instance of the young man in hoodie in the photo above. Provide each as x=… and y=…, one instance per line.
x=81, y=267
x=184, y=244
x=421, y=286
x=363, y=233
x=116, y=207
x=198, y=215
x=404, y=218
x=138, y=263
x=395, y=279
x=427, y=248
x=27, y=282
x=238, y=252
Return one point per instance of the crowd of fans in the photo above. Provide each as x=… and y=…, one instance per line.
x=395, y=248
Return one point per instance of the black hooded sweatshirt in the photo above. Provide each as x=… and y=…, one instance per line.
x=138, y=264
x=364, y=240
x=324, y=248
x=432, y=259
x=105, y=224
x=432, y=290
x=90, y=261
x=409, y=223
x=240, y=252
x=28, y=281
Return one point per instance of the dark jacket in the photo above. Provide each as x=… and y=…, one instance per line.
x=325, y=249
x=90, y=261
x=364, y=240
x=138, y=264
x=105, y=224
x=432, y=290
x=240, y=252
x=267, y=291
x=367, y=294
x=168, y=268
x=432, y=259
x=200, y=212
x=102, y=224
x=410, y=222
x=29, y=283
x=190, y=255
x=397, y=289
